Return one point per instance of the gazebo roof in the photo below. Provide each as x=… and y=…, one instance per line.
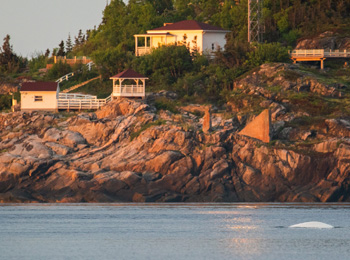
x=128, y=74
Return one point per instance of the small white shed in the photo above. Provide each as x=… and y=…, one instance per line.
x=39, y=96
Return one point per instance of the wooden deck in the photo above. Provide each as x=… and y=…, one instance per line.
x=318, y=55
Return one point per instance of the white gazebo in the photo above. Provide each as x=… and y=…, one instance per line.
x=129, y=90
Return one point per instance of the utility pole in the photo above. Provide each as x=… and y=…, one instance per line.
x=255, y=27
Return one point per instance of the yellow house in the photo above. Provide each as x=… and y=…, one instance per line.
x=39, y=96
x=196, y=36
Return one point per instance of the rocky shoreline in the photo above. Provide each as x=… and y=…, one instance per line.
x=130, y=151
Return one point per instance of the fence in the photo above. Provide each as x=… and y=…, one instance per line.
x=79, y=101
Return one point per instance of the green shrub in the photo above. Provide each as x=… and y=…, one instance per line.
x=58, y=70
x=268, y=52
x=5, y=102
x=166, y=104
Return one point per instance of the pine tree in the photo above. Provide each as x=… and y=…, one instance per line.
x=61, y=51
x=8, y=60
x=69, y=44
x=47, y=53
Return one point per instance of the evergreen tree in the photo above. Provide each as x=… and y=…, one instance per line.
x=61, y=51
x=9, y=61
x=47, y=53
x=69, y=44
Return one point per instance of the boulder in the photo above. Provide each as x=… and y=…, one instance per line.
x=59, y=149
x=72, y=139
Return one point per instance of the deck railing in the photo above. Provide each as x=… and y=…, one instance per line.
x=75, y=60
x=78, y=101
x=321, y=53
x=143, y=51
x=75, y=96
x=65, y=77
x=129, y=90
x=308, y=53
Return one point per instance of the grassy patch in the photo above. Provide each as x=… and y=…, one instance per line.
x=246, y=103
x=306, y=122
x=99, y=88
x=311, y=103
x=290, y=75
x=274, y=89
x=145, y=127
x=163, y=103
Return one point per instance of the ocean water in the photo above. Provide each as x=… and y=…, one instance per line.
x=172, y=231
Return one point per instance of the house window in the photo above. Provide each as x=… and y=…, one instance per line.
x=212, y=46
x=38, y=98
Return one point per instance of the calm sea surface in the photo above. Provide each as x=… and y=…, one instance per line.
x=172, y=231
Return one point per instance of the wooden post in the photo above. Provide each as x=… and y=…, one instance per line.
x=136, y=44
x=322, y=65
x=55, y=59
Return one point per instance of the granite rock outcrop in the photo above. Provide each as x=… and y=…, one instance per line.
x=129, y=151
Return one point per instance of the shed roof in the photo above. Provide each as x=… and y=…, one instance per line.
x=39, y=86
x=188, y=25
x=128, y=74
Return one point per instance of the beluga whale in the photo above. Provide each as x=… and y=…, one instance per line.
x=311, y=224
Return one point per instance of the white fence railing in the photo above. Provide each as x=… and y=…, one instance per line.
x=65, y=77
x=71, y=74
x=75, y=96
x=129, y=90
x=320, y=53
x=143, y=51
x=78, y=101
x=308, y=53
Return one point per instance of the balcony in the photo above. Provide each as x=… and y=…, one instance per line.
x=143, y=51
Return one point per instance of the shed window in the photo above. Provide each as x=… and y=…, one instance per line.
x=212, y=46
x=38, y=98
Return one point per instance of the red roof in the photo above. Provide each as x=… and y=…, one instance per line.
x=39, y=86
x=128, y=74
x=188, y=25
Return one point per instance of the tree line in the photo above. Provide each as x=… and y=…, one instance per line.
x=111, y=44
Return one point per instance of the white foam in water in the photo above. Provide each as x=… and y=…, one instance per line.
x=312, y=224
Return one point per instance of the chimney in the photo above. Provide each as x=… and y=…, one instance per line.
x=166, y=24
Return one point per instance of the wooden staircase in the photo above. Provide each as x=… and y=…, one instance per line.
x=79, y=85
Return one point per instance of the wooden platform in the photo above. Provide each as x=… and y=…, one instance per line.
x=318, y=55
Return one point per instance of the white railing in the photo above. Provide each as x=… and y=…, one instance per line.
x=65, y=77
x=75, y=96
x=337, y=54
x=82, y=103
x=108, y=99
x=129, y=91
x=308, y=53
x=89, y=65
x=320, y=53
x=71, y=74
x=143, y=51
